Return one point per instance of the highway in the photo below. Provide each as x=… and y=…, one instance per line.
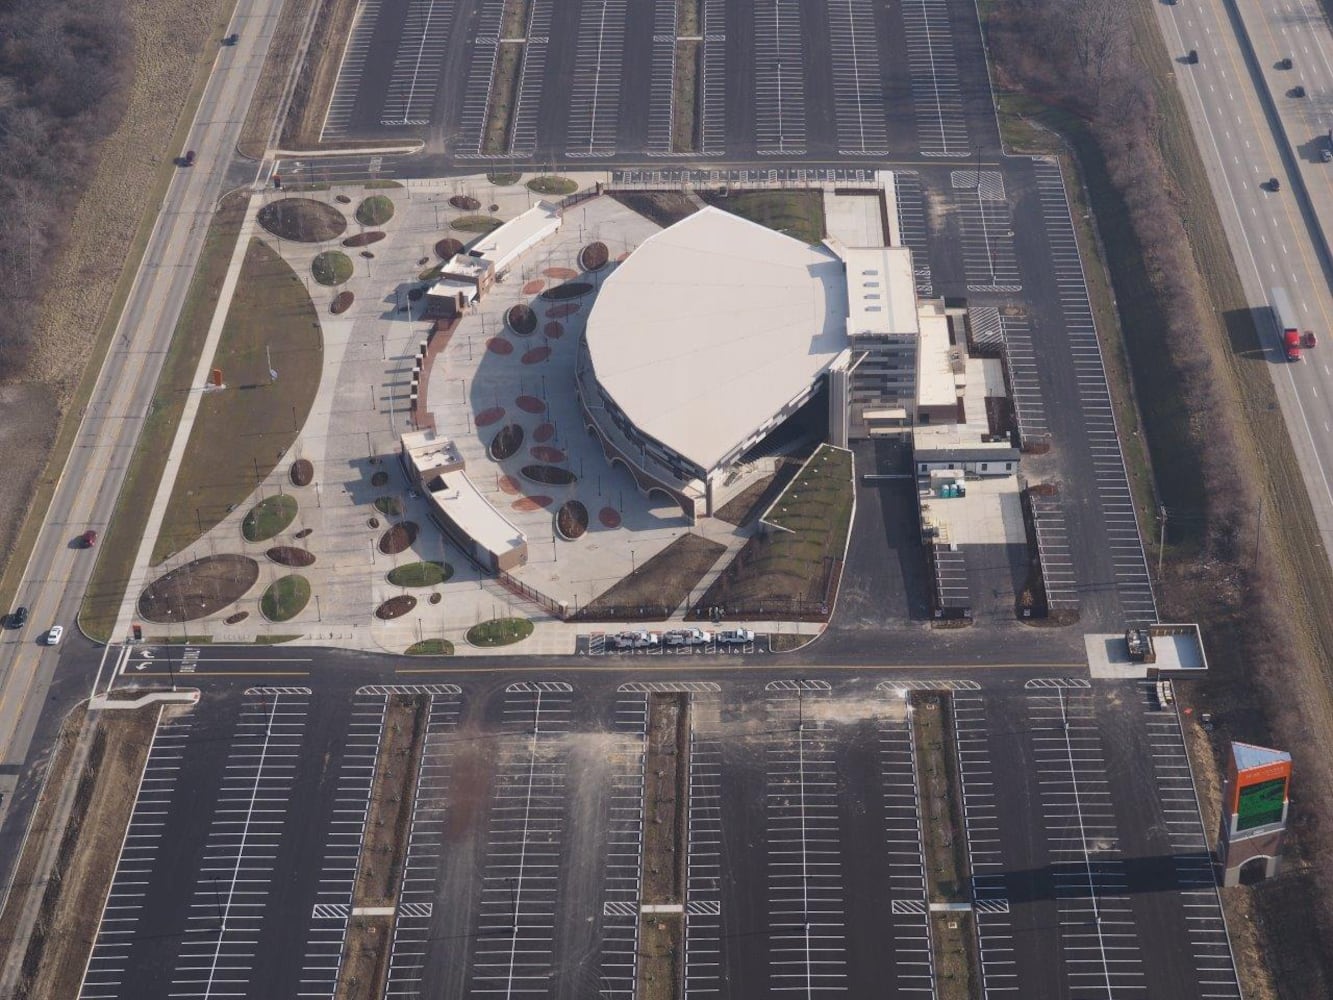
x=58, y=572
x=1273, y=240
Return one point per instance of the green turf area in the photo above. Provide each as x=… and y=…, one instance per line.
x=499, y=632
x=420, y=574
x=269, y=517
x=473, y=224
x=119, y=545
x=504, y=180
x=375, y=210
x=431, y=647
x=389, y=505
x=241, y=432
x=285, y=598
x=332, y=267
x=553, y=184
x=797, y=213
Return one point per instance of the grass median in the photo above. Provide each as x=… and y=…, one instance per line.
x=795, y=213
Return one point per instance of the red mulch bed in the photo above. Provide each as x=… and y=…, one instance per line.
x=508, y=484
x=342, y=303
x=498, y=345
x=623, y=256
x=594, y=256
x=198, y=589
x=545, y=453
x=609, y=516
x=528, y=504
x=395, y=607
x=487, y=417
x=302, y=472
x=534, y=286
x=398, y=538
x=290, y=555
x=543, y=433
x=536, y=356
x=563, y=310
x=553, y=329
x=466, y=202
x=448, y=248
x=364, y=239
x=530, y=404
x=571, y=520
x=561, y=273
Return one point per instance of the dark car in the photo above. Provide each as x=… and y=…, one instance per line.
x=1193, y=57
x=188, y=159
x=231, y=39
x=88, y=539
x=19, y=617
x=1274, y=184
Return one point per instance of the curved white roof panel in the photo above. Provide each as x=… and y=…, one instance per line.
x=712, y=326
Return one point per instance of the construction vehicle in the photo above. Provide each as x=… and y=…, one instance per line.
x=1285, y=318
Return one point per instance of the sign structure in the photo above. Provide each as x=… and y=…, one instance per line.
x=1254, y=809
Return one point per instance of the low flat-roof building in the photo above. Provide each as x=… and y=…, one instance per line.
x=469, y=275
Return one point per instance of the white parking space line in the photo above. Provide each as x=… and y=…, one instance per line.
x=911, y=203
x=1133, y=585
x=485, y=49
x=662, y=74
x=713, y=129
x=703, y=861
x=858, y=93
x=425, y=849
x=339, y=114
x=530, y=89
x=418, y=62
x=595, y=98
x=104, y=976
x=230, y=894
x=936, y=91
x=712, y=83
x=989, y=259
x=779, y=94
x=622, y=892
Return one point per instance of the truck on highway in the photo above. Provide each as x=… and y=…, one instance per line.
x=1285, y=317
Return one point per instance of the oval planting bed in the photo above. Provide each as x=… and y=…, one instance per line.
x=510, y=485
x=379, y=478
x=609, y=516
x=363, y=239
x=498, y=345
x=332, y=267
x=396, y=607
x=290, y=555
x=303, y=471
x=448, y=248
x=563, y=310
x=594, y=256
x=571, y=520
x=526, y=505
x=304, y=532
x=430, y=647
x=504, y=179
x=466, y=202
x=198, y=589
x=534, y=286
x=237, y=618
x=342, y=303
x=285, y=598
x=569, y=290
x=269, y=517
x=546, y=453
x=521, y=319
x=536, y=356
x=499, y=632
x=420, y=574
x=302, y=220
x=390, y=506
x=399, y=538
x=549, y=475
x=486, y=417
x=553, y=330
x=530, y=404
x=543, y=433
x=506, y=443
x=561, y=273
x=375, y=210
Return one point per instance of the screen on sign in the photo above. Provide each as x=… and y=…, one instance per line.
x=1260, y=804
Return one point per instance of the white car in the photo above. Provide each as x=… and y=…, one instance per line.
x=53, y=637
x=635, y=640
x=735, y=636
x=687, y=637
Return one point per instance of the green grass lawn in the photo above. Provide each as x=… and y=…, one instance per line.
x=420, y=574
x=243, y=431
x=553, y=184
x=389, y=505
x=269, y=517
x=375, y=210
x=499, y=632
x=797, y=213
x=504, y=180
x=431, y=647
x=332, y=267
x=285, y=598
x=473, y=224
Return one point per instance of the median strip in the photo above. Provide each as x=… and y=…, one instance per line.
x=506, y=77
x=661, y=967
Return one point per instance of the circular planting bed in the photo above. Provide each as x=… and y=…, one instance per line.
x=302, y=220
x=237, y=618
x=285, y=598
x=430, y=647
x=536, y=356
x=527, y=505
x=530, y=404
x=399, y=538
x=342, y=199
x=342, y=303
x=534, y=286
x=466, y=202
x=543, y=433
x=448, y=248
x=571, y=520
x=474, y=223
x=553, y=184
x=553, y=330
x=498, y=345
x=521, y=319
x=364, y=239
x=545, y=453
x=290, y=555
x=569, y=290
x=269, y=517
x=436, y=598
x=609, y=516
x=594, y=256
x=332, y=267
x=504, y=179
x=372, y=522
x=303, y=472
x=198, y=589
x=375, y=210
x=561, y=273
x=493, y=415
x=396, y=607
x=420, y=574
x=304, y=533
x=548, y=475
x=506, y=443
x=379, y=478
x=561, y=311
x=510, y=485
x=499, y=632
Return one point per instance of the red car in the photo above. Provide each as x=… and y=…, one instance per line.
x=88, y=538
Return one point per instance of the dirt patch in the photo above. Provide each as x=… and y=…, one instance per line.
x=396, y=607
x=571, y=520
x=290, y=555
x=536, y=356
x=530, y=404
x=302, y=220
x=658, y=586
x=448, y=248
x=665, y=208
x=528, y=504
x=569, y=290
x=752, y=501
x=506, y=442
x=534, y=286
x=341, y=303
x=594, y=256
x=521, y=319
x=364, y=239
x=198, y=589
x=486, y=417
x=399, y=538
x=510, y=485
x=553, y=330
x=548, y=475
x=498, y=345
x=610, y=517
x=302, y=472
x=563, y=310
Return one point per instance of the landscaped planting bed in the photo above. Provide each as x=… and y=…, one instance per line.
x=399, y=538
x=302, y=220
x=506, y=443
x=420, y=574
x=594, y=256
x=341, y=303
x=290, y=555
x=475, y=223
x=504, y=179
x=571, y=520
x=448, y=248
x=269, y=517
x=569, y=290
x=379, y=478
x=332, y=267
x=553, y=184
x=548, y=475
x=500, y=346
x=396, y=607
x=465, y=202
x=364, y=239
x=285, y=598
x=198, y=589
x=521, y=319
x=431, y=647
x=526, y=505
x=499, y=632
x=375, y=210
x=303, y=471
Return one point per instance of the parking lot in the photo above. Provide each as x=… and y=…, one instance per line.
x=804, y=867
